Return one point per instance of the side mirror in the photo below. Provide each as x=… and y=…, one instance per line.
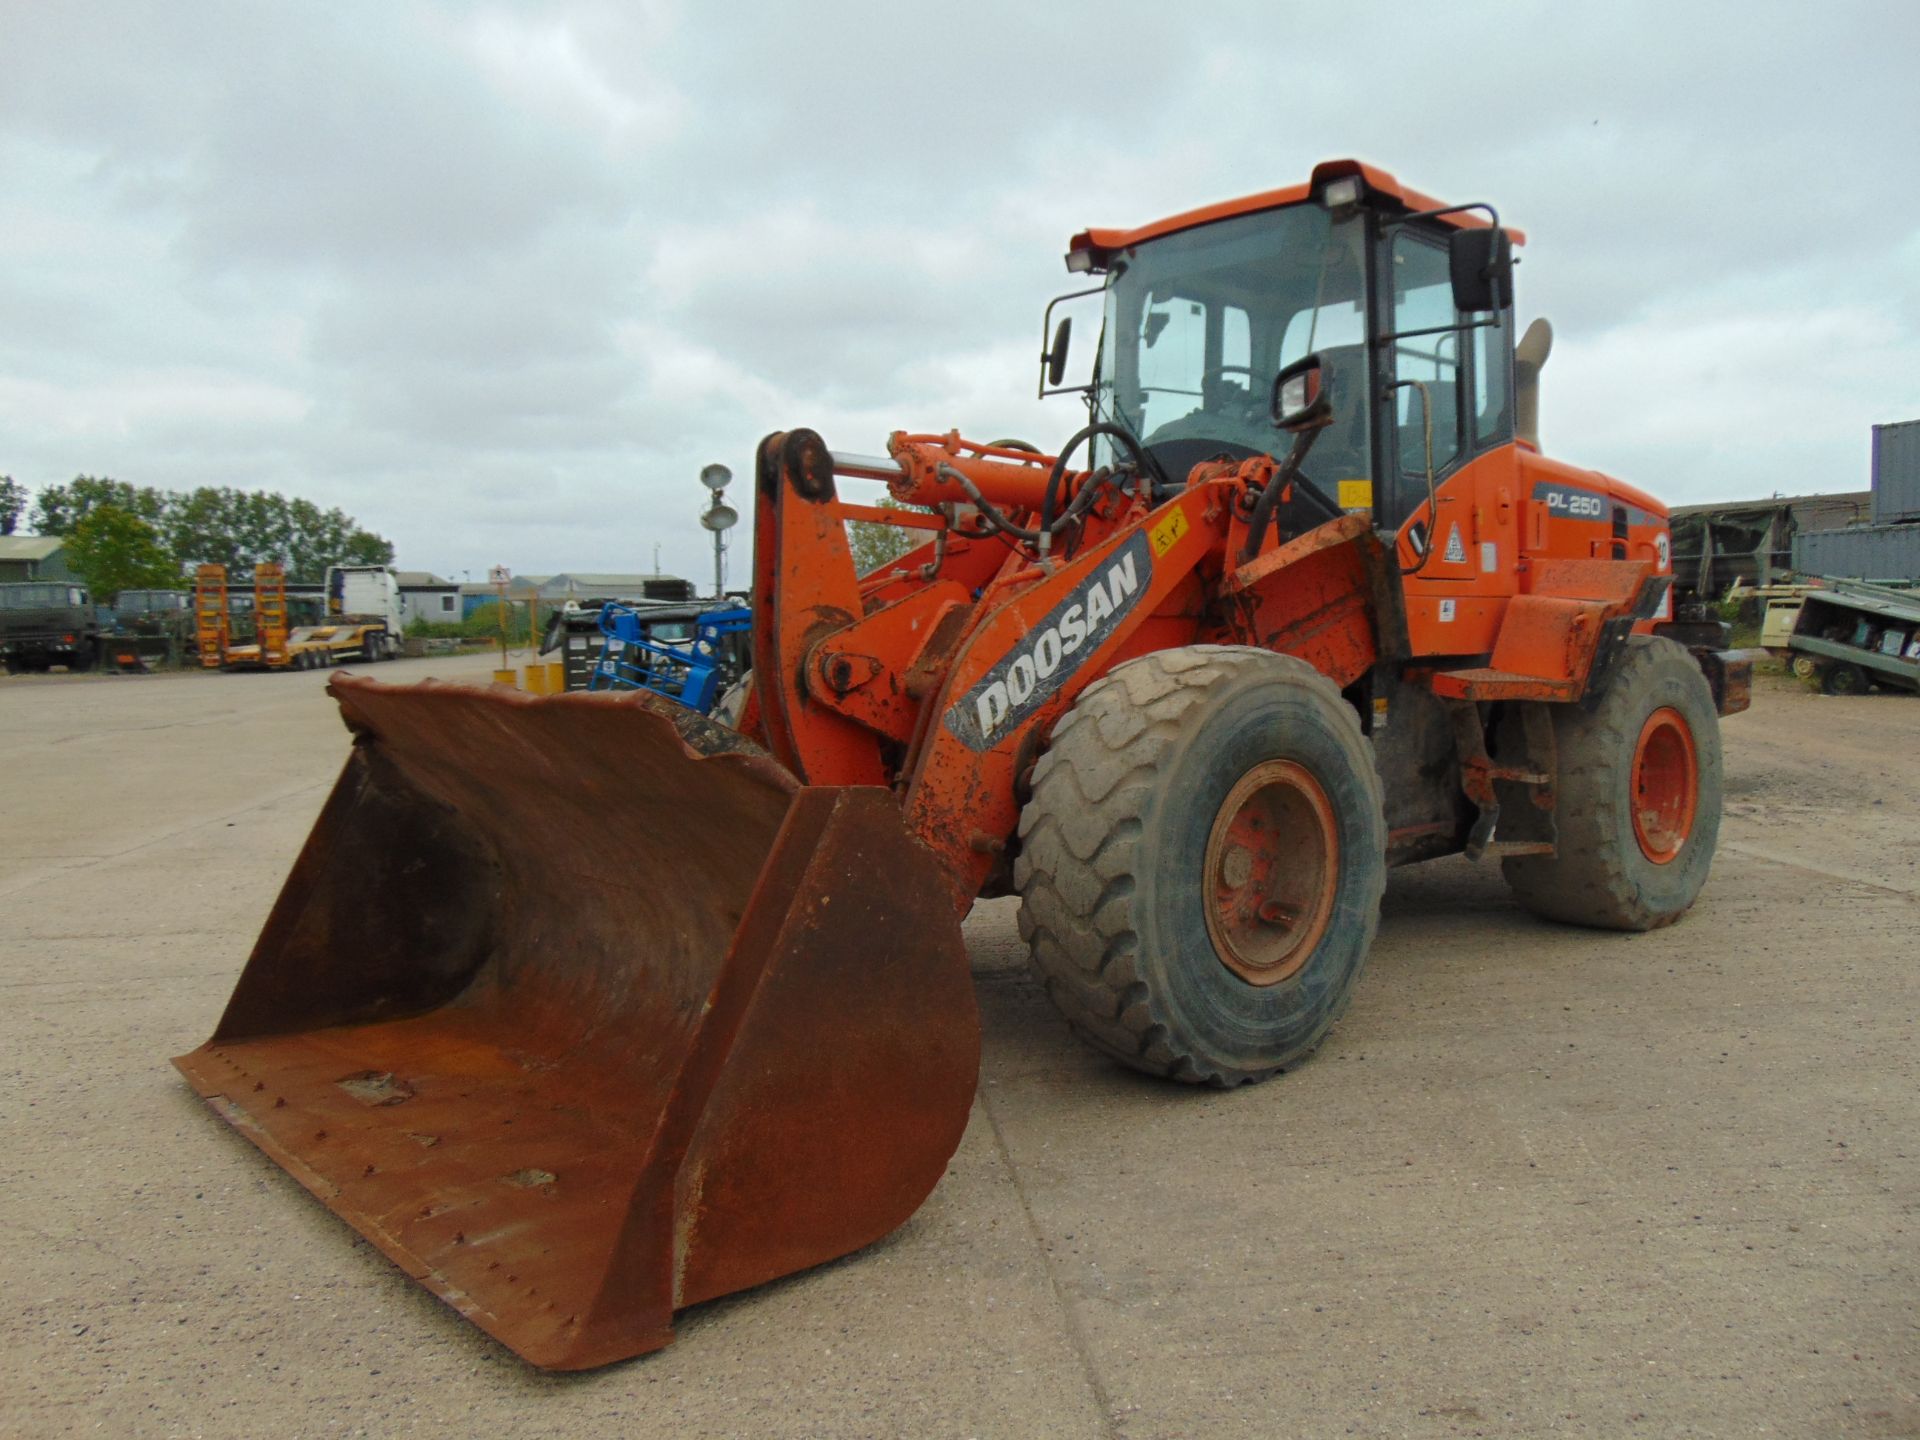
x=1480, y=263
x=1300, y=399
x=1056, y=356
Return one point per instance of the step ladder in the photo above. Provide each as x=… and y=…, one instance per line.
x=1532, y=772
x=270, y=612
x=210, y=622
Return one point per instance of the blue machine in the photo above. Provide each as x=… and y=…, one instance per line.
x=689, y=657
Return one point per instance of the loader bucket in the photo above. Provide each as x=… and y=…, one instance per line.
x=582, y=1009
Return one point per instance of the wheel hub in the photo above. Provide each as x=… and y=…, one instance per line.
x=1271, y=868
x=1666, y=785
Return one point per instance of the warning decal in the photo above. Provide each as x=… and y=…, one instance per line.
x=1456, y=551
x=1168, y=531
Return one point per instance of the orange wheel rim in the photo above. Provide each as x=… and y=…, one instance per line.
x=1666, y=785
x=1271, y=868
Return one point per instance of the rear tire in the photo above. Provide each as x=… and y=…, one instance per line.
x=1201, y=864
x=1638, y=798
x=1843, y=677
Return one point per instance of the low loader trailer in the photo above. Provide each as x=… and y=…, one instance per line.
x=366, y=637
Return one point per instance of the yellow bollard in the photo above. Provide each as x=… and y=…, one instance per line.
x=536, y=680
x=508, y=678
x=556, y=677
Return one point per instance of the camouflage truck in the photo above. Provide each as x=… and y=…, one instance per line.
x=44, y=623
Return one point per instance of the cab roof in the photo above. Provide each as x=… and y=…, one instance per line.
x=1380, y=186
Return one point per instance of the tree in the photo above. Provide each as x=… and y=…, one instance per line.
x=221, y=526
x=13, y=501
x=366, y=548
x=875, y=544
x=113, y=550
x=60, y=508
x=241, y=528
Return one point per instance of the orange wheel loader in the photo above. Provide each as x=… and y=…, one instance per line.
x=584, y=1008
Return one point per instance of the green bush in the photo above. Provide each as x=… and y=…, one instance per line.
x=483, y=624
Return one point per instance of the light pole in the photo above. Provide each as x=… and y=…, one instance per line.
x=719, y=517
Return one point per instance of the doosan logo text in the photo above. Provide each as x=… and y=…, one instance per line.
x=1033, y=672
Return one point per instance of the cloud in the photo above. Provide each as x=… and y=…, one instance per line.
x=500, y=278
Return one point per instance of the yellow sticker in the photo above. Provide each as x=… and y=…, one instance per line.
x=1356, y=494
x=1168, y=532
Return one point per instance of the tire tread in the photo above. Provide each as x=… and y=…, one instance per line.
x=1080, y=832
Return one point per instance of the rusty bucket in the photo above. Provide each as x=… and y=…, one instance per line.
x=583, y=1009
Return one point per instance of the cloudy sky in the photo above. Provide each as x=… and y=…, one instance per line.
x=499, y=279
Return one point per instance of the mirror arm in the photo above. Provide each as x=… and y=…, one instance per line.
x=1046, y=343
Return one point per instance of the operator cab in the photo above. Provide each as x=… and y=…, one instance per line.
x=1202, y=311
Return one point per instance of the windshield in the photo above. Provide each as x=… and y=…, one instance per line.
x=40, y=597
x=1198, y=323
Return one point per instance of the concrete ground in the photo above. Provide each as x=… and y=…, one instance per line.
x=1539, y=1182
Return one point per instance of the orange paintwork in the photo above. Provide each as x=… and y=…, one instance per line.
x=1107, y=240
x=1666, y=785
x=885, y=680
x=801, y=554
x=1458, y=606
x=1007, y=477
x=1548, y=637
x=870, y=671
x=941, y=674
x=919, y=676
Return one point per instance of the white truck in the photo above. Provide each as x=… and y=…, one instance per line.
x=363, y=618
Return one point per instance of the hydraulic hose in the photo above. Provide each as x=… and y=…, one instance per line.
x=1287, y=474
x=1058, y=474
x=997, y=520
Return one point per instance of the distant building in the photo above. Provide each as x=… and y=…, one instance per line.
x=478, y=592
x=34, y=557
x=425, y=596
x=584, y=585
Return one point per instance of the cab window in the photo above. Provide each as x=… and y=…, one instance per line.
x=1321, y=328
x=1424, y=364
x=1173, y=350
x=1492, y=384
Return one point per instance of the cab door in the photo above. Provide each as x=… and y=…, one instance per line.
x=1451, y=481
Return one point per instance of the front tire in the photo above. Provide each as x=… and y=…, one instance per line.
x=1201, y=863
x=1638, y=802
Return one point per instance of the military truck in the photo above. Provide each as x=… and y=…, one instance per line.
x=44, y=623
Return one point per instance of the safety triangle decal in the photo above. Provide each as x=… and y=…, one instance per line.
x=1456, y=552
